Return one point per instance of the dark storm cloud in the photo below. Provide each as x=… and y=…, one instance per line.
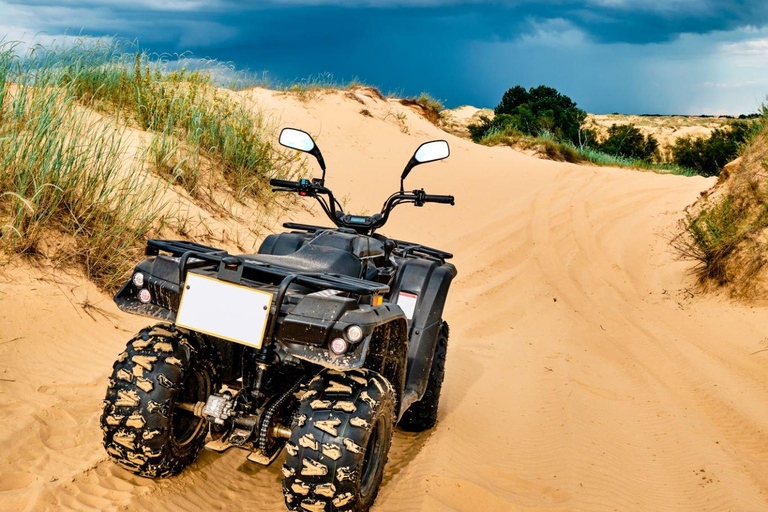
x=608, y=21
x=461, y=51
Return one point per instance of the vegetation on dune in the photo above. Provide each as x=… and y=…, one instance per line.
x=549, y=147
x=308, y=88
x=179, y=104
x=629, y=142
x=708, y=155
x=431, y=108
x=62, y=169
x=66, y=170
x=550, y=123
x=541, y=110
x=535, y=112
x=725, y=231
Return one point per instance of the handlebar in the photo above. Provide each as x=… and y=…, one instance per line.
x=333, y=209
x=284, y=183
x=433, y=198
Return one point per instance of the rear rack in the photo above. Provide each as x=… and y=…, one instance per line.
x=309, y=228
x=192, y=256
x=406, y=248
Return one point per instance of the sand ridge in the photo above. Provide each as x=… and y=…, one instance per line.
x=581, y=375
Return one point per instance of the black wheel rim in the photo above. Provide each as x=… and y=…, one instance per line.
x=185, y=426
x=373, y=462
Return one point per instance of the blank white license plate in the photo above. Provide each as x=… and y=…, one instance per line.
x=229, y=311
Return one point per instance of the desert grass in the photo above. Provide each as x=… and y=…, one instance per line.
x=547, y=146
x=183, y=104
x=309, y=88
x=725, y=231
x=62, y=171
x=431, y=108
x=73, y=186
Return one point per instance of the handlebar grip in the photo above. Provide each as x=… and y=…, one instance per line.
x=430, y=198
x=284, y=183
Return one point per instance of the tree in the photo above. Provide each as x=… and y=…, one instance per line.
x=628, y=141
x=542, y=110
x=512, y=99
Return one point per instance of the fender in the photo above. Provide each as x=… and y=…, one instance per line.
x=430, y=281
x=307, y=330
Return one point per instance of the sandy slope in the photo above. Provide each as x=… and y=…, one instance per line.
x=581, y=374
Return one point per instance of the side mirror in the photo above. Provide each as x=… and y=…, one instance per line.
x=302, y=141
x=427, y=152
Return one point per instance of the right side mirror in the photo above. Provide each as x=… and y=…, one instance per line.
x=432, y=151
x=427, y=152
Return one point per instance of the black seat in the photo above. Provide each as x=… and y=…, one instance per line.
x=314, y=258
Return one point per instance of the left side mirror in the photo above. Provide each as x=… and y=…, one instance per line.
x=297, y=139
x=302, y=141
x=427, y=152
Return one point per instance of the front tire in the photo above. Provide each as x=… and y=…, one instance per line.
x=422, y=415
x=144, y=430
x=339, y=444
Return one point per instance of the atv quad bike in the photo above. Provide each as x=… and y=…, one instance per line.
x=319, y=344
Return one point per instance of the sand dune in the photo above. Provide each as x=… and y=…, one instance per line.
x=582, y=374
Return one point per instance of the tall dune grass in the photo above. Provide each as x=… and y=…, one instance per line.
x=62, y=171
x=725, y=231
x=71, y=183
x=181, y=103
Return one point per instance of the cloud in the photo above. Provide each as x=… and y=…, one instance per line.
x=554, y=33
x=631, y=21
x=609, y=55
x=754, y=47
x=122, y=5
x=659, y=6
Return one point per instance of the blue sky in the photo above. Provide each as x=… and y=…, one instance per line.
x=629, y=56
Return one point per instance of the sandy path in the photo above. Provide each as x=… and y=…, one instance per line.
x=581, y=375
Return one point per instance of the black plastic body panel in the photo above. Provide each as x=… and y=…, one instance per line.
x=161, y=276
x=369, y=318
x=312, y=320
x=430, y=281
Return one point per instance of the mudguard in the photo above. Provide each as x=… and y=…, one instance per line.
x=162, y=280
x=429, y=281
x=307, y=330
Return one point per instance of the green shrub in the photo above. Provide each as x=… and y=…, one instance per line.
x=629, y=142
x=540, y=110
x=488, y=127
x=499, y=135
x=708, y=155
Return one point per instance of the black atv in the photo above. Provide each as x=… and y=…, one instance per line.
x=320, y=344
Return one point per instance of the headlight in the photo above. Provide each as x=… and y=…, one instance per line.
x=138, y=279
x=338, y=346
x=354, y=333
x=144, y=296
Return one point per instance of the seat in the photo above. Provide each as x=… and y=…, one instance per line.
x=363, y=247
x=314, y=258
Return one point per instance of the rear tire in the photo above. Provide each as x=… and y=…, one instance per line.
x=339, y=444
x=144, y=432
x=422, y=415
